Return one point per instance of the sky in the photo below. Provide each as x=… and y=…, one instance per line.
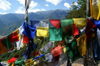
x=17, y=6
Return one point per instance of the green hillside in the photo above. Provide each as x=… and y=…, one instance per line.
x=10, y=22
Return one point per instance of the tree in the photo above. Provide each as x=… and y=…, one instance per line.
x=77, y=11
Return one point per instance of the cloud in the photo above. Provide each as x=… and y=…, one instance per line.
x=31, y=5
x=47, y=5
x=75, y=3
x=36, y=10
x=3, y=13
x=21, y=2
x=21, y=10
x=4, y=5
x=67, y=5
x=55, y=2
x=43, y=10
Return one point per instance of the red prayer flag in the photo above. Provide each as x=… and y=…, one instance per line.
x=25, y=39
x=13, y=37
x=3, y=49
x=55, y=23
x=75, y=30
x=89, y=26
x=12, y=60
x=57, y=50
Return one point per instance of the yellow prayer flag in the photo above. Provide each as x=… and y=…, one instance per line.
x=95, y=9
x=18, y=32
x=42, y=31
x=64, y=49
x=98, y=4
x=80, y=22
x=30, y=62
x=12, y=64
x=34, y=63
x=81, y=41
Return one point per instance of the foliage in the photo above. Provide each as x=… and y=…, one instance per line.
x=77, y=11
x=40, y=42
x=7, y=56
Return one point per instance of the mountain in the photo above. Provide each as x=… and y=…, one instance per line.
x=10, y=22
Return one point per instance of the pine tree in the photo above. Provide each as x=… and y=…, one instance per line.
x=77, y=11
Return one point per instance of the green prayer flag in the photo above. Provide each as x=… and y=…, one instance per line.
x=66, y=22
x=55, y=34
x=7, y=43
x=19, y=62
x=72, y=51
x=68, y=39
x=67, y=26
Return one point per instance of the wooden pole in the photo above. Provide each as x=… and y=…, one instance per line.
x=88, y=8
x=87, y=15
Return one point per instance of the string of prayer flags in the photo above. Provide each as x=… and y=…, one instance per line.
x=56, y=30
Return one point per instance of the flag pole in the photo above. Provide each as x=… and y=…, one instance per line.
x=88, y=8
x=27, y=2
x=87, y=15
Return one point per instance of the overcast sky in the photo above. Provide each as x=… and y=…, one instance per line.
x=17, y=6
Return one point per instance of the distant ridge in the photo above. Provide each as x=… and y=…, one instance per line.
x=10, y=22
